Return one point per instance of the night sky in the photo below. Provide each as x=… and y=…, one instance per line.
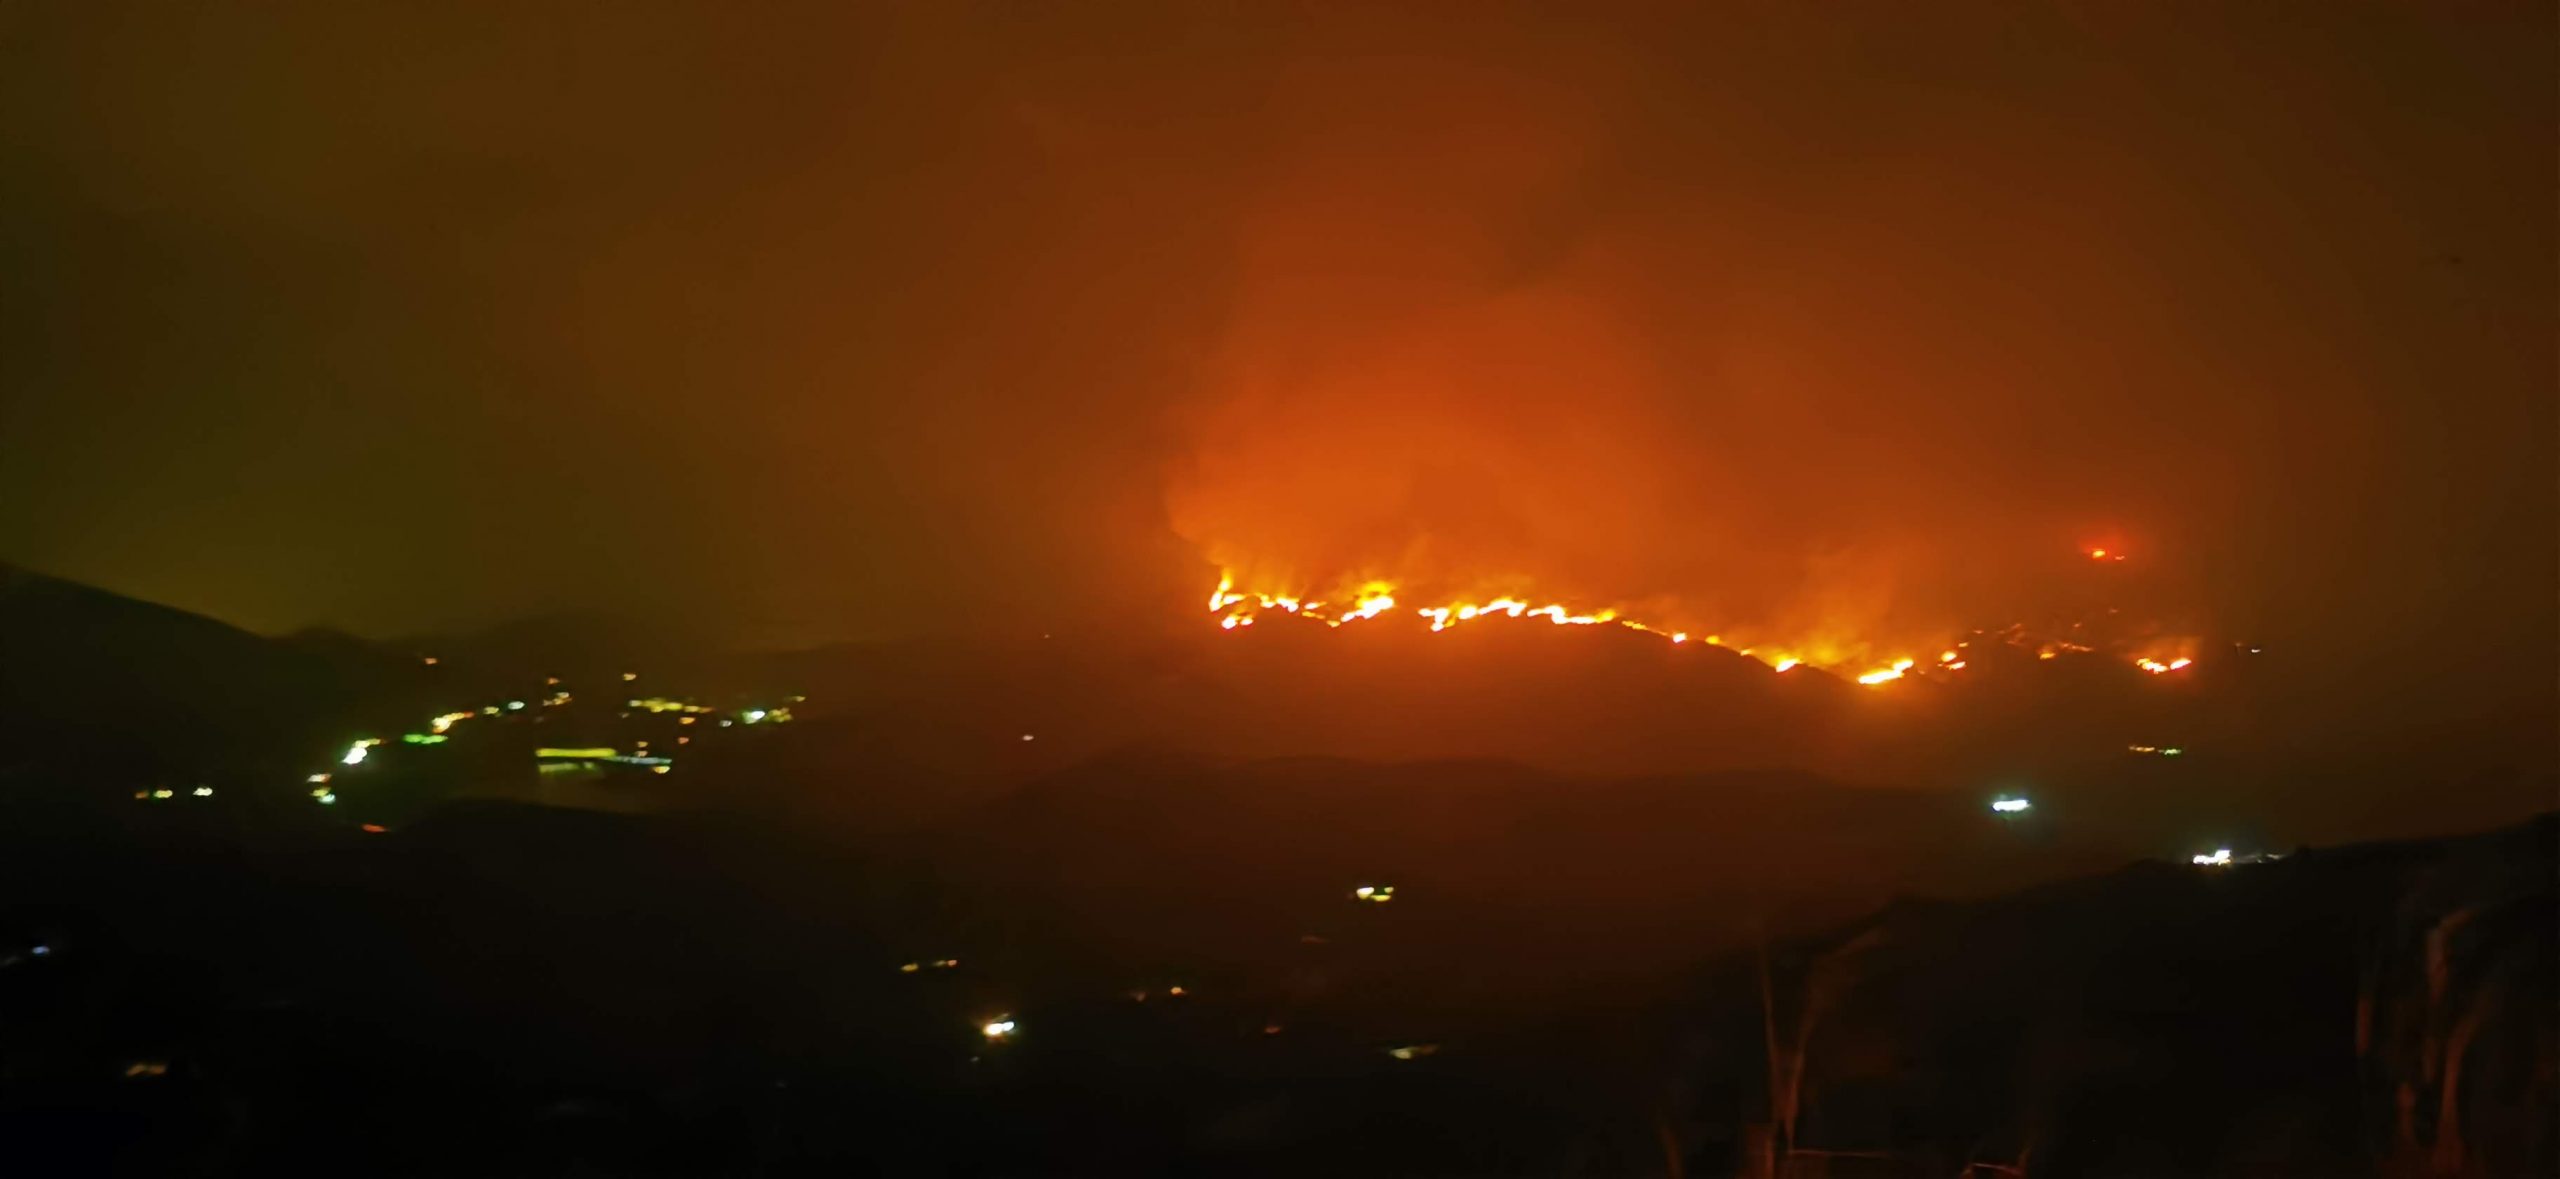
x=796, y=326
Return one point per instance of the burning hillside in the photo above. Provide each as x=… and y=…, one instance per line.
x=1238, y=606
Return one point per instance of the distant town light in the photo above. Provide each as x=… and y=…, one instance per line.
x=1412, y=1051
x=423, y=738
x=999, y=1028
x=2220, y=856
x=1026, y=736
x=2011, y=806
x=329, y=799
x=204, y=792
x=355, y=754
x=164, y=794
x=515, y=706
x=629, y=676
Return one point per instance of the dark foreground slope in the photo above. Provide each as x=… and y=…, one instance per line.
x=500, y=989
x=2375, y=1009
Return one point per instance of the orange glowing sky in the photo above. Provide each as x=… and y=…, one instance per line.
x=858, y=323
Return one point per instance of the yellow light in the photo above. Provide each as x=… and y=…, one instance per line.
x=1372, y=606
x=599, y=751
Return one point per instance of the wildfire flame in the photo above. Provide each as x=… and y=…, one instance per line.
x=1237, y=608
